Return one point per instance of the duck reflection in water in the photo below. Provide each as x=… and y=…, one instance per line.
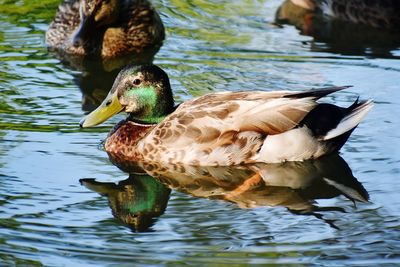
x=95, y=79
x=136, y=201
x=348, y=30
x=293, y=185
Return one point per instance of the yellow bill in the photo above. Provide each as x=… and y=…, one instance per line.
x=108, y=108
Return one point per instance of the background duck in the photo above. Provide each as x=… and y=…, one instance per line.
x=337, y=35
x=105, y=29
x=219, y=129
x=375, y=13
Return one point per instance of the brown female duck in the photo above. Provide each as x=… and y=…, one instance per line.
x=105, y=28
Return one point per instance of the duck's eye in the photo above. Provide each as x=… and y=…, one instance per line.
x=137, y=82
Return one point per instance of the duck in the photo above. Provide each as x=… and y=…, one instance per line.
x=105, y=29
x=336, y=35
x=220, y=128
x=382, y=14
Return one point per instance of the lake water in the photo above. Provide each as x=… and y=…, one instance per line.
x=62, y=203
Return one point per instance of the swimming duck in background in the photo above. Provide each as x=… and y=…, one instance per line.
x=220, y=129
x=375, y=13
x=339, y=36
x=105, y=28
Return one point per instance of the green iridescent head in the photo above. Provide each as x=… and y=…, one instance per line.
x=143, y=92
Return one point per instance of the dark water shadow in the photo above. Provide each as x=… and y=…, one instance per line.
x=95, y=77
x=338, y=36
x=293, y=185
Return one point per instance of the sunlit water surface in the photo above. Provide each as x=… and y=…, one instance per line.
x=47, y=217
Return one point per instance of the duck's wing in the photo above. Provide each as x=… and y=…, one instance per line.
x=206, y=118
x=264, y=112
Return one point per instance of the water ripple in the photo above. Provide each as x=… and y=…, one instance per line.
x=48, y=218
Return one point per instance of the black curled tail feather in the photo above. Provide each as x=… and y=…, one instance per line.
x=323, y=118
x=353, y=116
x=334, y=124
x=317, y=93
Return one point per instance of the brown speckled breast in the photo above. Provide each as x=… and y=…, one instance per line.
x=122, y=140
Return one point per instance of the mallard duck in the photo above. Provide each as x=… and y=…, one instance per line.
x=224, y=128
x=105, y=28
x=376, y=13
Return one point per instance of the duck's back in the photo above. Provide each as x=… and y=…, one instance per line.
x=64, y=24
x=139, y=27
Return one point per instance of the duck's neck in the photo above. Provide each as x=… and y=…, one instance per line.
x=149, y=120
x=153, y=104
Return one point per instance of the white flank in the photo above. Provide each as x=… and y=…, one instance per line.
x=350, y=121
x=295, y=145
